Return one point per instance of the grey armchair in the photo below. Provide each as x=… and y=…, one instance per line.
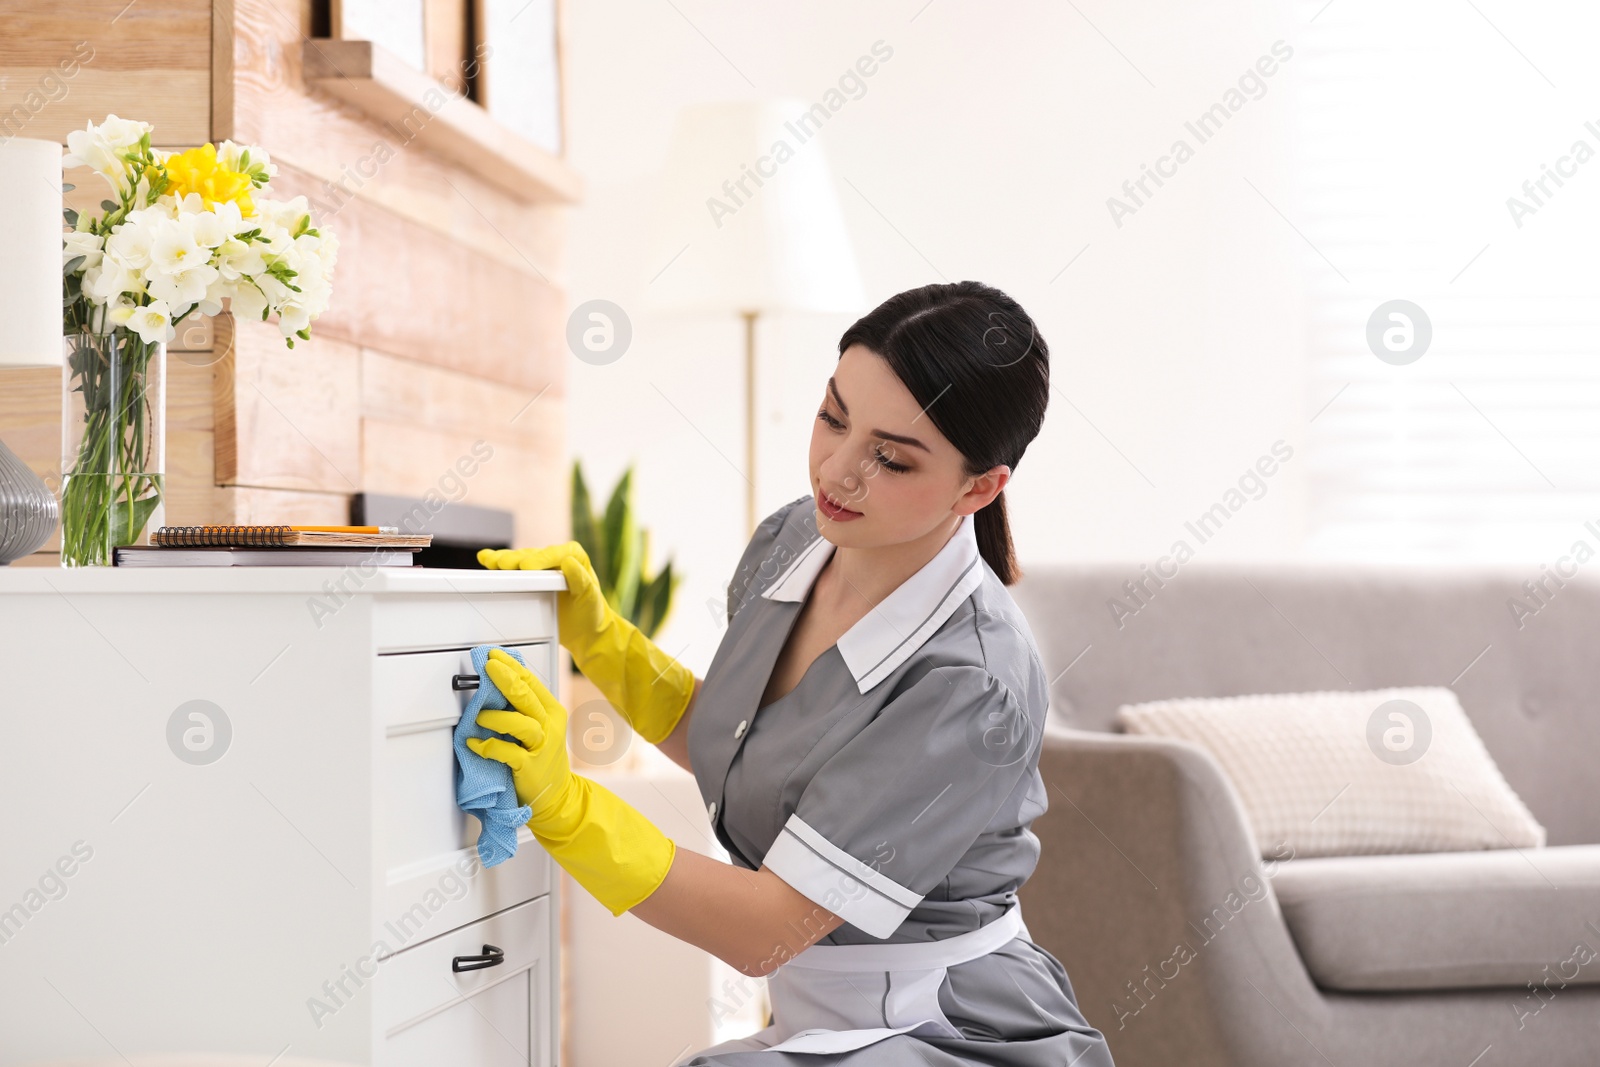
x=1185, y=947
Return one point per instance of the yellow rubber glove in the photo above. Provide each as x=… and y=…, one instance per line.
x=610, y=849
x=650, y=688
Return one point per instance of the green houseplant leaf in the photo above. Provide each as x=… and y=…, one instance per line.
x=583, y=525
x=619, y=548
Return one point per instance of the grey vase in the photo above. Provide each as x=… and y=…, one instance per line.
x=28, y=509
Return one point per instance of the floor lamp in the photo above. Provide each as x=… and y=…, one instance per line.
x=748, y=223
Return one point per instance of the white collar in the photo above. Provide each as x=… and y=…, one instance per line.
x=892, y=631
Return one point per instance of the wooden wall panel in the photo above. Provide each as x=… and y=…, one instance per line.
x=407, y=289
x=401, y=390
x=528, y=480
x=347, y=157
x=150, y=60
x=288, y=418
x=249, y=504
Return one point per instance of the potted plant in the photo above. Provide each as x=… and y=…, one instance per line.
x=619, y=548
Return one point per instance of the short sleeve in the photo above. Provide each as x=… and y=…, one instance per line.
x=888, y=816
x=764, y=557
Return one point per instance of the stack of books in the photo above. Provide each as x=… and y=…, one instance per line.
x=274, y=546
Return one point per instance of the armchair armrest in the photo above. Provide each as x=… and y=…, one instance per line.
x=1151, y=891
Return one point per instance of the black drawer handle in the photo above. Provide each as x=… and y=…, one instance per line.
x=492, y=957
x=460, y=682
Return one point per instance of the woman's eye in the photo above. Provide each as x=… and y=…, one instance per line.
x=829, y=419
x=887, y=463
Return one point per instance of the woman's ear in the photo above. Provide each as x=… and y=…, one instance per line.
x=985, y=487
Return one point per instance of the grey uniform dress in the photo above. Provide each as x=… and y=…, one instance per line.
x=894, y=787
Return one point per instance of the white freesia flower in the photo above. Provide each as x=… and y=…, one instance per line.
x=152, y=322
x=237, y=259
x=231, y=218
x=208, y=230
x=229, y=155
x=183, y=288
x=130, y=244
x=247, y=302
x=102, y=147
x=108, y=281
x=174, y=249
x=293, y=317
x=219, y=290
x=87, y=245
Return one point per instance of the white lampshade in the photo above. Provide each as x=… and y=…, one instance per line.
x=30, y=255
x=777, y=246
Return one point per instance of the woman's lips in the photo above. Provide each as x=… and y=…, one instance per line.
x=837, y=514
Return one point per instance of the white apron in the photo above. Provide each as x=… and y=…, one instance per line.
x=837, y=998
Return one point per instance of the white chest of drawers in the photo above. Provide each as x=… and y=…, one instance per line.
x=228, y=820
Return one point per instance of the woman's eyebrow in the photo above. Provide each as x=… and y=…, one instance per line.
x=886, y=435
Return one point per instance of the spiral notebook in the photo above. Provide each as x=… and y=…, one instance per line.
x=140, y=556
x=279, y=537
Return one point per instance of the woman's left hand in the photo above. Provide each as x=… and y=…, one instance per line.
x=540, y=769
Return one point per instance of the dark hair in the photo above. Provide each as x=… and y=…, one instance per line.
x=975, y=363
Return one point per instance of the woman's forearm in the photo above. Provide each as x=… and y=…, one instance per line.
x=676, y=745
x=751, y=920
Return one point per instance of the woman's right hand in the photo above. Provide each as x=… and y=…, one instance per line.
x=650, y=688
x=582, y=610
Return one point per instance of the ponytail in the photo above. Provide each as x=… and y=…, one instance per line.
x=993, y=531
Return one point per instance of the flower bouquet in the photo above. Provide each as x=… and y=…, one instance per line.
x=187, y=232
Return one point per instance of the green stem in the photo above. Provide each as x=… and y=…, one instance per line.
x=110, y=490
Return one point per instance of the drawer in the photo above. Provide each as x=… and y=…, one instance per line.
x=413, y=690
x=425, y=1014
x=433, y=879
x=451, y=889
x=416, y=623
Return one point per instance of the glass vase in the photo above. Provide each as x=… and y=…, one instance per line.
x=113, y=440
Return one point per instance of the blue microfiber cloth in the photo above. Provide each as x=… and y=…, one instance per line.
x=483, y=786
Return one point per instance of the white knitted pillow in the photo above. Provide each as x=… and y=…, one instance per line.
x=1343, y=774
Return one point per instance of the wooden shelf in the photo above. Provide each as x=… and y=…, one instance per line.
x=417, y=109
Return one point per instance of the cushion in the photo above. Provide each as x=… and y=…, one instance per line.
x=1447, y=920
x=1350, y=773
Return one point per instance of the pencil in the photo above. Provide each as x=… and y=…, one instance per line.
x=347, y=529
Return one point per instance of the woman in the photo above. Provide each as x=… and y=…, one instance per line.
x=867, y=736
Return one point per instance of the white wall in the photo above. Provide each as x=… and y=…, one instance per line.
x=985, y=148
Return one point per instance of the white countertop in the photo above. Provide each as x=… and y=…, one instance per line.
x=100, y=580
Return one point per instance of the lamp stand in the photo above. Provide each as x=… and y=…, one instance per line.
x=750, y=420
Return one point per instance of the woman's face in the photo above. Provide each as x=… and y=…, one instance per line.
x=874, y=452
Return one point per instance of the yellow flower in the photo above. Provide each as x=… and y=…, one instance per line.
x=197, y=171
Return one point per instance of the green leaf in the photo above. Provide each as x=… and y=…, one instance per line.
x=72, y=265
x=630, y=578
x=128, y=519
x=71, y=216
x=620, y=549
x=109, y=205
x=620, y=545
x=67, y=187
x=655, y=600
x=583, y=525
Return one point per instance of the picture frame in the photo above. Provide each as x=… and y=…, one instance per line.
x=397, y=26
x=522, y=80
